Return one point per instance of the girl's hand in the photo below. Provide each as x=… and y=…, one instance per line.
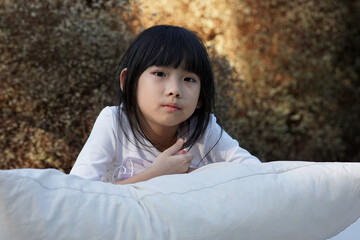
x=173, y=160
x=191, y=169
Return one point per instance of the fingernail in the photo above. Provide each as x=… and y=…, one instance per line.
x=182, y=151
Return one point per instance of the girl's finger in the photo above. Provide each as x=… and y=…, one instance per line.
x=174, y=148
x=188, y=156
x=182, y=151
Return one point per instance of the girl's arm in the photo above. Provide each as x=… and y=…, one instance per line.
x=99, y=148
x=172, y=161
x=226, y=148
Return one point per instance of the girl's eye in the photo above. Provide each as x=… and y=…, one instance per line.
x=159, y=74
x=189, y=79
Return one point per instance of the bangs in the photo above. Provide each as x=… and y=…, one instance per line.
x=176, y=48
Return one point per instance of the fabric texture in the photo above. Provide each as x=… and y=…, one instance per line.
x=107, y=150
x=277, y=200
x=350, y=233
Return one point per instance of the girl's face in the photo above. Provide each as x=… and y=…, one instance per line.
x=167, y=96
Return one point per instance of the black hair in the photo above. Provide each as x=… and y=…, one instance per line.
x=165, y=45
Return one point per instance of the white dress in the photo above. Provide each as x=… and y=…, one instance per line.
x=109, y=156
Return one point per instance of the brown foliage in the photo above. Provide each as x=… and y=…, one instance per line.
x=57, y=59
x=287, y=73
x=295, y=75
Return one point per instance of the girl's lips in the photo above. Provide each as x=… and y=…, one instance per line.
x=171, y=108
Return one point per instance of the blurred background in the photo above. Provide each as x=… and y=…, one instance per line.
x=287, y=73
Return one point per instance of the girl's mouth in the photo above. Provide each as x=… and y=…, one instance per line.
x=172, y=108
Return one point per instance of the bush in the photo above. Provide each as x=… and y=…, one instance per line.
x=301, y=98
x=57, y=59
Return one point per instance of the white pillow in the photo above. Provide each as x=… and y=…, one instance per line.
x=350, y=233
x=277, y=200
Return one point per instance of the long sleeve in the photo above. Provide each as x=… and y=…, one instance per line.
x=100, y=147
x=226, y=148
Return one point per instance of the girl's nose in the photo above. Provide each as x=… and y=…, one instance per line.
x=174, y=89
x=174, y=92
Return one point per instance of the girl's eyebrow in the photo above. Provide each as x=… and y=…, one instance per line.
x=182, y=69
x=191, y=73
x=160, y=67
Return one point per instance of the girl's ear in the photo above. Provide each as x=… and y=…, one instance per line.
x=122, y=78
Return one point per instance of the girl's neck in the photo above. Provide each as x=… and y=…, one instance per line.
x=161, y=138
x=163, y=143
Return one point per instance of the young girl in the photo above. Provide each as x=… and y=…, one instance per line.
x=163, y=122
